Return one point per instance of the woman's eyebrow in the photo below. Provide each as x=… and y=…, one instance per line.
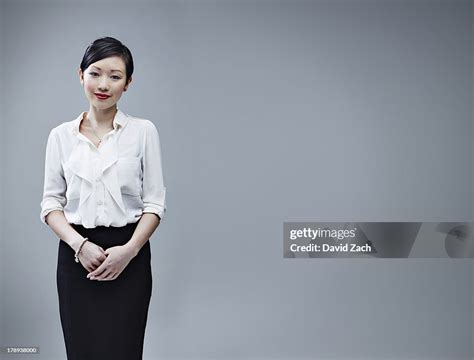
x=110, y=70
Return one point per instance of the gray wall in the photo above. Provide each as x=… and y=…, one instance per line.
x=268, y=112
x=2, y=174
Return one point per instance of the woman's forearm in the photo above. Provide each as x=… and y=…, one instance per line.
x=58, y=223
x=145, y=228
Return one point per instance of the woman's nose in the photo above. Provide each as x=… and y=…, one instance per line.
x=103, y=84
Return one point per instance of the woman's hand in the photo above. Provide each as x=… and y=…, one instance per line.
x=91, y=256
x=117, y=259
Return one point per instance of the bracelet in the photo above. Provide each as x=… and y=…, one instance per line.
x=76, y=255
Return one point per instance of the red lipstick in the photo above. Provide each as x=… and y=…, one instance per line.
x=101, y=96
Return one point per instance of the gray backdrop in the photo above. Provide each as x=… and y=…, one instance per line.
x=268, y=111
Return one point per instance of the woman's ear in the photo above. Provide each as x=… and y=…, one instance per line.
x=81, y=76
x=128, y=83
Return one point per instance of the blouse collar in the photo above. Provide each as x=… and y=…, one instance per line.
x=120, y=120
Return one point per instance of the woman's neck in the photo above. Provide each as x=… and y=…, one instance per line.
x=101, y=118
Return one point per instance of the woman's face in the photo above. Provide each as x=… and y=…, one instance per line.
x=106, y=77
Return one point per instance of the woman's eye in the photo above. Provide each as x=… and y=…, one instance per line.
x=115, y=77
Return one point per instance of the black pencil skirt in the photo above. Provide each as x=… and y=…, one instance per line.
x=104, y=320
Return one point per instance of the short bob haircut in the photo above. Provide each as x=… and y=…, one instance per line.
x=105, y=47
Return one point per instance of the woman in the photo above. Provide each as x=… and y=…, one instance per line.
x=104, y=197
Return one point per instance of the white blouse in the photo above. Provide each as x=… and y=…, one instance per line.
x=111, y=185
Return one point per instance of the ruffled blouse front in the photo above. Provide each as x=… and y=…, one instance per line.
x=111, y=185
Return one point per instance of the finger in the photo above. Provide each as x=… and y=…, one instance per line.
x=99, y=260
x=87, y=267
x=112, y=276
x=115, y=276
x=97, y=277
x=99, y=270
x=105, y=276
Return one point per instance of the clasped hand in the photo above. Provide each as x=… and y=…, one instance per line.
x=103, y=264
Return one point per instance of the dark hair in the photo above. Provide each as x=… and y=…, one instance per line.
x=105, y=47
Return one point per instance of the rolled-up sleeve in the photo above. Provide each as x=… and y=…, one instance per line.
x=54, y=191
x=154, y=191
